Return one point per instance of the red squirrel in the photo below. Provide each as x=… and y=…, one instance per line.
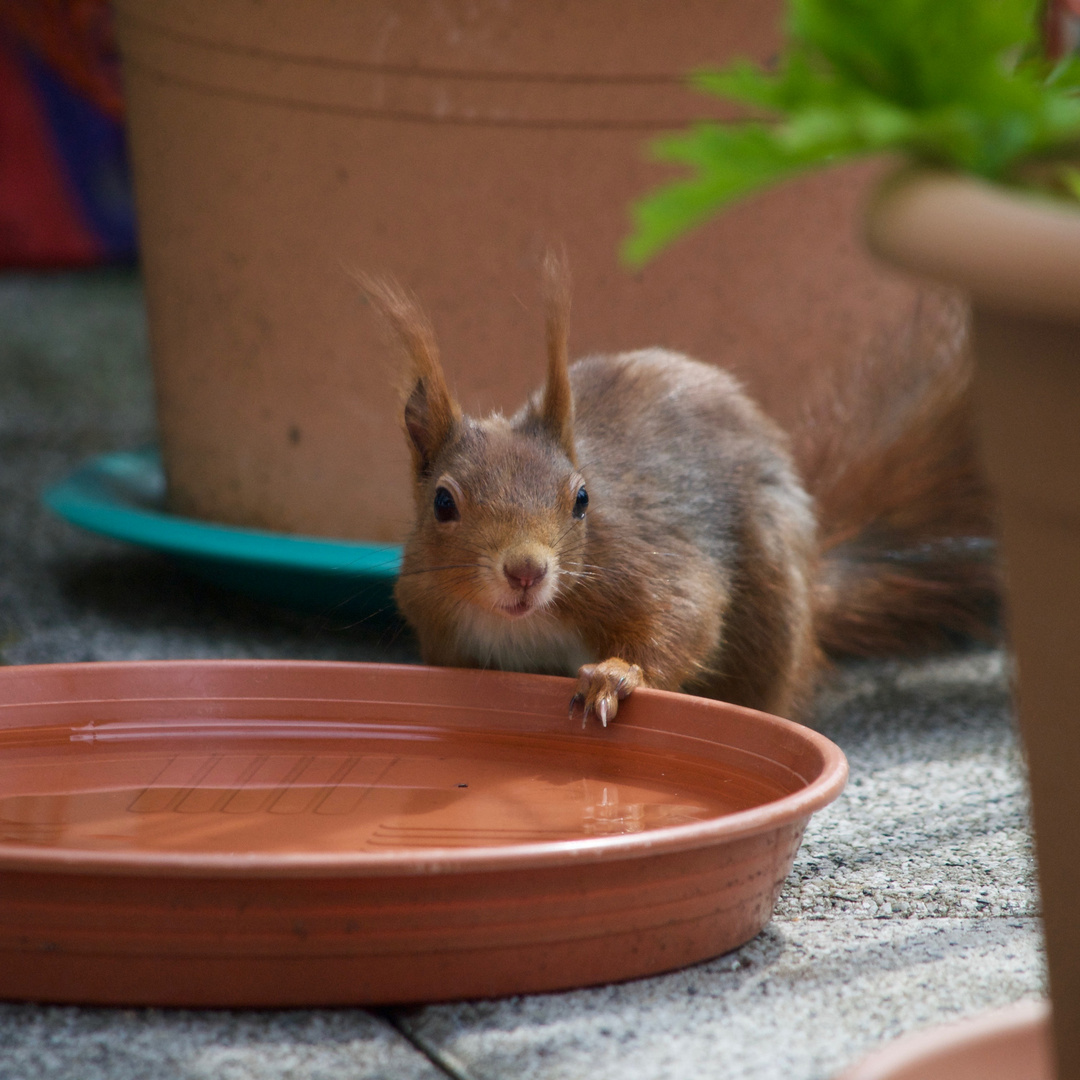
x=641, y=522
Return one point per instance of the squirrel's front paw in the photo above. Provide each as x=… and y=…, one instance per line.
x=602, y=686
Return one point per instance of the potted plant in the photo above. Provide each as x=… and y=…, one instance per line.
x=986, y=196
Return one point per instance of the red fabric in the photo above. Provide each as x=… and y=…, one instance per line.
x=75, y=38
x=38, y=224
x=1061, y=28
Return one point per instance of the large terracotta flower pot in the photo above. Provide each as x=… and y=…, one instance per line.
x=279, y=143
x=1018, y=256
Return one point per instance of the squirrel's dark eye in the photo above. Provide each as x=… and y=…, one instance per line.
x=581, y=502
x=445, y=507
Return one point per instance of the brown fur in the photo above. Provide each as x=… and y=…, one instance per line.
x=430, y=413
x=904, y=513
x=698, y=563
x=557, y=407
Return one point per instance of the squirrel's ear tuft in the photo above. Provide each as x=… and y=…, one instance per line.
x=430, y=412
x=557, y=404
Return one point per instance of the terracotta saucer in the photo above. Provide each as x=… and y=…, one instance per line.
x=1006, y=1044
x=296, y=833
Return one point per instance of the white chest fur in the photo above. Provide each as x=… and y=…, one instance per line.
x=539, y=643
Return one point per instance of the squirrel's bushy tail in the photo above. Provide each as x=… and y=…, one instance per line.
x=907, y=557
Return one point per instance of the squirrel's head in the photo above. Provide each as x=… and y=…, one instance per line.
x=500, y=503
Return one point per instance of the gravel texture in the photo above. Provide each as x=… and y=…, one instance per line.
x=912, y=900
x=152, y=1044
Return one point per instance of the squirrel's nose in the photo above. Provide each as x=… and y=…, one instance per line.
x=524, y=572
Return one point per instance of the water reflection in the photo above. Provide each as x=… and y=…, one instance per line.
x=274, y=794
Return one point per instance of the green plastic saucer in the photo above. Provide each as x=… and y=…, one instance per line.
x=122, y=495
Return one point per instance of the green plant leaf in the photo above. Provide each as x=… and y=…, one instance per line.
x=1071, y=178
x=953, y=83
x=730, y=162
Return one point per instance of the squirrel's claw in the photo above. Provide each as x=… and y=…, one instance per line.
x=602, y=710
x=602, y=686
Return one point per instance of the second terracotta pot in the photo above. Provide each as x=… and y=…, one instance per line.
x=1019, y=258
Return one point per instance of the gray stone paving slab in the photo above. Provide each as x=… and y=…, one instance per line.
x=804, y=1000
x=934, y=820
x=151, y=1044
x=912, y=900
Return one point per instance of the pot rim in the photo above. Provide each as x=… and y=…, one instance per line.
x=531, y=697
x=934, y=1052
x=1010, y=249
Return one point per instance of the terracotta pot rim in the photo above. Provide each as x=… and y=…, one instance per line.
x=921, y=1050
x=1008, y=247
x=544, y=691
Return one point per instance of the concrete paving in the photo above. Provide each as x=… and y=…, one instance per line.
x=912, y=900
